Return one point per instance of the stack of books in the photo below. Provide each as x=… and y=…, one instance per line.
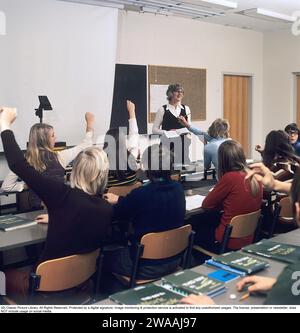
x=189, y=282
x=277, y=251
x=238, y=263
x=172, y=289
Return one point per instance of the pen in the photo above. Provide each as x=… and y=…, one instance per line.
x=244, y=296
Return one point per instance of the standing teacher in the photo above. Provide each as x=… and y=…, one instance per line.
x=166, y=119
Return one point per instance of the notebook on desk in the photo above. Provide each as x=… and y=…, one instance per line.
x=13, y=222
x=193, y=201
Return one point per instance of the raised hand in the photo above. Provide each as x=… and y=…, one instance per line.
x=258, y=148
x=7, y=116
x=90, y=121
x=130, y=109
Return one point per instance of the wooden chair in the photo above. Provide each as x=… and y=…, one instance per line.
x=240, y=226
x=62, y=274
x=123, y=190
x=161, y=245
x=283, y=216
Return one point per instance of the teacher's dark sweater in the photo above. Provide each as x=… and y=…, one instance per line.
x=77, y=221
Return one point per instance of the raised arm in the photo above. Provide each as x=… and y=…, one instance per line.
x=133, y=134
x=50, y=191
x=68, y=155
x=265, y=176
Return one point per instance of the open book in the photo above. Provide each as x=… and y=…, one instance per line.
x=12, y=222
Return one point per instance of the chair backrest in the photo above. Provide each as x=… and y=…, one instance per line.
x=244, y=225
x=286, y=210
x=165, y=244
x=123, y=190
x=67, y=272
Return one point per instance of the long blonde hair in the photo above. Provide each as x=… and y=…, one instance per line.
x=39, y=150
x=90, y=171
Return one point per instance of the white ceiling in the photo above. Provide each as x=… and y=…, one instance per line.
x=287, y=7
x=230, y=17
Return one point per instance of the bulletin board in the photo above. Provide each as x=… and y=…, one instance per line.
x=193, y=81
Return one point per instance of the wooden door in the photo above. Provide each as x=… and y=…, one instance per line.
x=237, y=102
x=298, y=100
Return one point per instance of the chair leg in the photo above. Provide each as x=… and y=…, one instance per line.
x=34, y=282
x=98, y=276
x=225, y=240
x=258, y=228
x=139, y=250
x=275, y=220
x=188, y=254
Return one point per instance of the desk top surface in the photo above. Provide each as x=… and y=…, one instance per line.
x=232, y=296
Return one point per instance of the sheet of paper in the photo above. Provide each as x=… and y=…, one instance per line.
x=194, y=201
x=171, y=134
x=181, y=131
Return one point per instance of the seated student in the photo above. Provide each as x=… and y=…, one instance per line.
x=158, y=205
x=78, y=216
x=122, y=155
x=293, y=133
x=284, y=289
x=232, y=195
x=217, y=133
x=279, y=156
x=41, y=156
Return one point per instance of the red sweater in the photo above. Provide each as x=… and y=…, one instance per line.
x=232, y=194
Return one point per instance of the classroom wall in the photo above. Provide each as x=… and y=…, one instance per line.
x=281, y=58
x=170, y=41
x=64, y=50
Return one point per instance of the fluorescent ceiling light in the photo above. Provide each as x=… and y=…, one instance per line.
x=191, y=8
x=267, y=15
x=156, y=11
x=114, y=4
x=222, y=4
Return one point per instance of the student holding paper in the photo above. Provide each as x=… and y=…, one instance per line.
x=286, y=288
x=166, y=120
